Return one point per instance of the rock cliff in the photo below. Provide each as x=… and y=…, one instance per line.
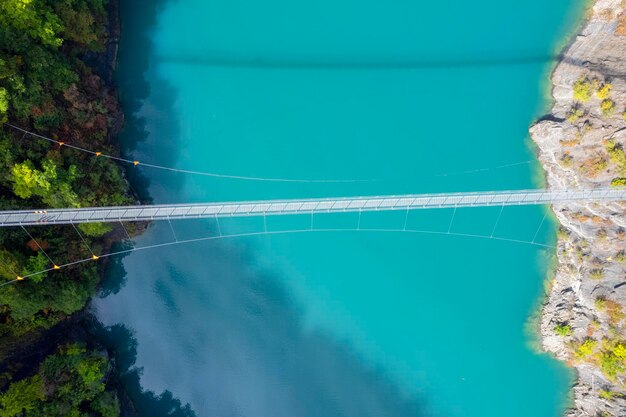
x=581, y=144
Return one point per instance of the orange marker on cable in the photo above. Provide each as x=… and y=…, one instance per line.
x=98, y=153
x=135, y=162
x=94, y=257
x=19, y=278
x=61, y=144
x=56, y=267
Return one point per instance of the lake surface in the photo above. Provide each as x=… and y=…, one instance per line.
x=403, y=96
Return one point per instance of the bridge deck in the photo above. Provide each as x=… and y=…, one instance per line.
x=303, y=206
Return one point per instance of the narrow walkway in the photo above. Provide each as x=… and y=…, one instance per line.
x=305, y=206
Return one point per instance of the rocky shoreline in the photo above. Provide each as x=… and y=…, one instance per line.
x=581, y=144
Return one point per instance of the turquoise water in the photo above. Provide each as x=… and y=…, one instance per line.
x=409, y=97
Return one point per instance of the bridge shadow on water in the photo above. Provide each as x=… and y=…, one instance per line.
x=137, y=93
x=261, y=62
x=252, y=352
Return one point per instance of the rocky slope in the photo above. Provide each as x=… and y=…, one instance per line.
x=581, y=144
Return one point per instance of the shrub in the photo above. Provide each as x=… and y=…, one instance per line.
x=567, y=161
x=582, y=89
x=607, y=106
x=596, y=274
x=562, y=233
x=618, y=182
x=616, y=154
x=620, y=30
x=604, y=91
x=611, y=365
x=611, y=308
x=586, y=348
x=570, y=142
x=620, y=350
x=594, y=165
x=563, y=330
x=574, y=114
x=607, y=395
x=587, y=127
x=621, y=256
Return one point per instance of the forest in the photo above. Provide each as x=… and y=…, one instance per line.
x=51, y=57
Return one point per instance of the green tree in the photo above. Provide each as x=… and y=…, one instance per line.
x=95, y=229
x=52, y=185
x=53, y=90
x=91, y=371
x=6, y=68
x=21, y=396
x=6, y=159
x=36, y=264
x=9, y=264
x=33, y=18
x=4, y=104
x=81, y=372
x=107, y=404
x=70, y=297
x=23, y=304
x=79, y=20
x=61, y=196
x=28, y=181
x=68, y=383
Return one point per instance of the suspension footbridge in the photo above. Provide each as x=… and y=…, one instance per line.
x=217, y=210
x=305, y=206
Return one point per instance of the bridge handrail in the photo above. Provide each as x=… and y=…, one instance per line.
x=306, y=205
x=613, y=190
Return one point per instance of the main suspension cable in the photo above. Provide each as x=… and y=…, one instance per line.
x=279, y=232
x=136, y=163
x=184, y=171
